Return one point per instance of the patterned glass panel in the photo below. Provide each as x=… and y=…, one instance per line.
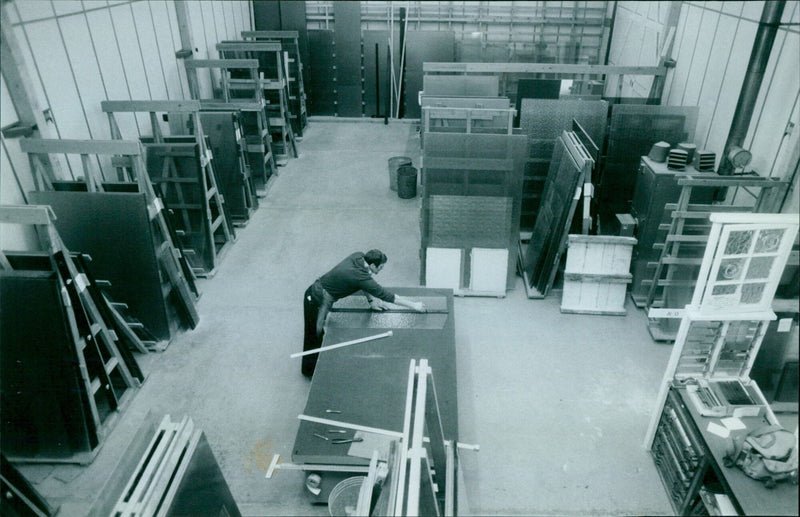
x=739, y=242
x=724, y=289
x=760, y=267
x=769, y=240
x=730, y=269
x=752, y=293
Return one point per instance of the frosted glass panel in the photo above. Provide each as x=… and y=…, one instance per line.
x=443, y=268
x=488, y=269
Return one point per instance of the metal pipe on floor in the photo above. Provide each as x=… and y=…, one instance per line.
x=759, y=57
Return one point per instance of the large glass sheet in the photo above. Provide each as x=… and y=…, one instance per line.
x=633, y=131
x=543, y=120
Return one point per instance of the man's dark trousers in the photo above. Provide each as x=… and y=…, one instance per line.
x=311, y=340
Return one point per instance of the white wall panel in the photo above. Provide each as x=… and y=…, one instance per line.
x=33, y=71
x=8, y=115
x=85, y=72
x=176, y=71
x=59, y=85
x=209, y=29
x=146, y=38
x=228, y=9
x=684, y=55
x=135, y=75
x=699, y=67
x=159, y=15
x=753, y=8
x=29, y=11
x=731, y=86
x=112, y=73
x=64, y=7
x=770, y=122
x=680, y=31
x=734, y=8
x=218, y=20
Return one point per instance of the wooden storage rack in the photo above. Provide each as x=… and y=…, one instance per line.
x=194, y=201
x=106, y=370
x=126, y=155
x=255, y=127
x=294, y=74
x=675, y=273
x=273, y=82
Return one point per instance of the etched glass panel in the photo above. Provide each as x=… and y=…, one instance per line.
x=752, y=293
x=730, y=269
x=739, y=242
x=759, y=267
x=769, y=241
x=724, y=289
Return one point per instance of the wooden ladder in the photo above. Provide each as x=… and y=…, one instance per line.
x=243, y=94
x=105, y=370
x=675, y=273
x=273, y=83
x=294, y=73
x=212, y=232
x=126, y=156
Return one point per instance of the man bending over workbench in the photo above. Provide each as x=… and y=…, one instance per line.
x=351, y=275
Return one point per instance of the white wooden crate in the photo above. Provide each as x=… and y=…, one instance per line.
x=597, y=274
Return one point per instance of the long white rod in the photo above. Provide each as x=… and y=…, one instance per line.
x=347, y=425
x=340, y=345
x=398, y=510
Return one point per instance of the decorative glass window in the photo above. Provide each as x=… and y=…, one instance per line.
x=747, y=263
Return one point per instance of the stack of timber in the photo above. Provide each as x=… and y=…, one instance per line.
x=272, y=75
x=65, y=373
x=240, y=90
x=293, y=64
x=596, y=275
x=130, y=242
x=183, y=171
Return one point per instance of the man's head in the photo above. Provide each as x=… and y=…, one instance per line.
x=375, y=260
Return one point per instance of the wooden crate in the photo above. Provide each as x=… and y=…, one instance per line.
x=597, y=274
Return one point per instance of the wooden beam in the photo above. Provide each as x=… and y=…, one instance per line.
x=27, y=214
x=185, y=31
x=540, y=68
x=54, y=146
x=249, y=45
x=21, y=90
x=182, y=106
x=222, y=63
x=270, y=34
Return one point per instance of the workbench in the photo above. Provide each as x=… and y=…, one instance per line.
x=366, y=383
x=748, y=496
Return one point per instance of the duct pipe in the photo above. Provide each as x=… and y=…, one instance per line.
x=759, y=57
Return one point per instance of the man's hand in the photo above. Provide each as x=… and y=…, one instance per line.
x=418, y=306
x=377, y=305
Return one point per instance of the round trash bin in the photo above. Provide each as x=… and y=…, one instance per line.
x=344, y=496
x=406, y=182
x=395, y=162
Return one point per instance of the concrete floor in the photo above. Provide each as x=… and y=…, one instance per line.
x=559, y=403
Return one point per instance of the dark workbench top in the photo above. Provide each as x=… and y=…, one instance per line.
x=751, y=495
x=367, y=381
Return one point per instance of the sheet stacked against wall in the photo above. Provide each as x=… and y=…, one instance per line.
x=470, y=211
x=543, y=120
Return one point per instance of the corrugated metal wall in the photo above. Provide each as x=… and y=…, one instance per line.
x=79, y=53
x=712, y=46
